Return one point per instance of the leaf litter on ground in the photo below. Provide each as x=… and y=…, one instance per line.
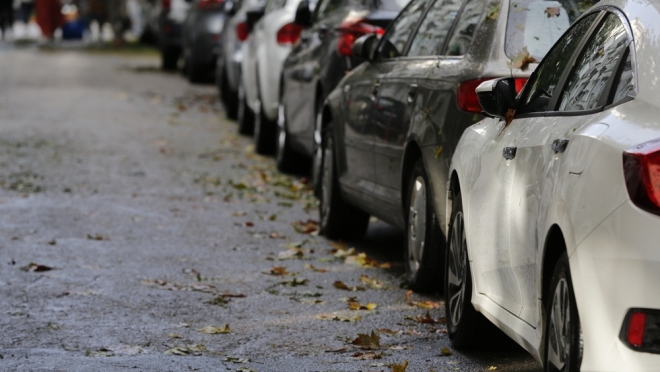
x=35, y=268
x=194, y=349
x=212, y=330
x=422, y=304
x=341, y=285
x=367, y=341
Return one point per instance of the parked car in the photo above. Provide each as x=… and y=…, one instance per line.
x=266, y=49
x=171, y=14
x=555, y=201
x=317, y=64
x=201, y=35
x=228, y=68
x=391, y=126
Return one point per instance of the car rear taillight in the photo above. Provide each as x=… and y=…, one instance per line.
x=641, y=330
x=641, y=167
x=466, y=96
x=166, y=4
x=289, y=34
x=242, y=31
x=206, y=4
x=350, y=31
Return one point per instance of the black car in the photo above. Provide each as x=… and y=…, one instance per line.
x=202, y=31
x=316, y=65
x=389, y=129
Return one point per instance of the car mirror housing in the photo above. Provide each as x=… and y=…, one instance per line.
x=364, y=46
x=253, y=16
x=497, y=96
x=303, y=14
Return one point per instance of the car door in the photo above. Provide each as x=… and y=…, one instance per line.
x=541, y=147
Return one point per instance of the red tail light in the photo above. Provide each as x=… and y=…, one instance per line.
x=289, y=34
x=242, y=31
x=351, y=31
x=641, y=330
x=166, y=4
x=641, y=166
x=636, y=327
x=467, y=98
x=206, y=4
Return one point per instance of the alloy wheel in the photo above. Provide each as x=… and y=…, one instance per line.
x=317, y=162
x=457, y=270
x=559, y=328
x=326, y=182
x=281, y=133
x=416, y=225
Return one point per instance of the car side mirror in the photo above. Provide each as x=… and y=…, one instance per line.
x=253, y=16
x=364, y=46
x=303, y=14
x=497, y=96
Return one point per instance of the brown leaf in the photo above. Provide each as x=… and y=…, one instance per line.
x=310, y=227
x=232, y=295
x=422, y=304
x=521, y=60
x=400, y=367
x=352, y=305
x=97, y=237
x=35, y=268
x=371, y=282
x=341, y=285
x=426, y=319
x=342, y=350
x=370, y=355
x=445, y=351
x=211, y=330
x=365, y=341
x=278, y=270
x=340, y=318
x=553, y=11
x=317, y=269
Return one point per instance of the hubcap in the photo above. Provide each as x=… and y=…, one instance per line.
x=416, y=225
x=318, y=151
x=281, y=132
x=326, y=183
x=457, y=270
x=559, y=329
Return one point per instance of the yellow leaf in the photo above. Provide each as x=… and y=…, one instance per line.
x=400, y=367
x=445, y=351
x=211, y=330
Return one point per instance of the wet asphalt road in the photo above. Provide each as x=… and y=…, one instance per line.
x=131, y=185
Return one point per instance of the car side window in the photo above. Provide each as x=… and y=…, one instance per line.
x=396, y=36
x=434, y=28
x=324, y=7
x=465, y=29
x=625, y=85
x=595, y=67
x=541, y=86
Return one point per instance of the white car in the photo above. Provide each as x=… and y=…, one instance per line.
x=263, y=56
x=554, y=203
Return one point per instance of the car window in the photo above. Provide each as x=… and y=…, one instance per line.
x=541, y=85
x=396, y=36
x=625, y=85
x=434, y=28
x=324, y=7
x=273, y=5
x=395, y=5
x=533, y=26
x=595, y=67
x=465, y=28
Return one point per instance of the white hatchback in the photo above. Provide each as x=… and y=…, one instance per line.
x=554, y=203
x=263, y=56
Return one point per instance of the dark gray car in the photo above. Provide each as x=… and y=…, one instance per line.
x=202, y=31
x=390, y=127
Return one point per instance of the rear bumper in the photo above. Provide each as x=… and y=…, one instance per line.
x=616, y=268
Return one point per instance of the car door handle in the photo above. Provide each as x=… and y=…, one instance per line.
x=559, y=145
x=412, y=93
x=509, y=153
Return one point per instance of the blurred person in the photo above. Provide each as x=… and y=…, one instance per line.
x=6, y=16
x=49, y=16
x=27, y=7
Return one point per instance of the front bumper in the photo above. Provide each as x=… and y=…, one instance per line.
x=616, y=268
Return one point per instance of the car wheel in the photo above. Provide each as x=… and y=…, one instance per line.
x=245, y=114
x=287, y=159
x=339, y=220
x=563, y=338
x=465, y=326
x=317, y=160
x=229, y=97
x=264, y=131
x=424, y=246
x=169, y=58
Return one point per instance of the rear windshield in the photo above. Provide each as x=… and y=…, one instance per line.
x=535, y=25
x=396, y=5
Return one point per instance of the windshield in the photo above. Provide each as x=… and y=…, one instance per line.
x=535, y=25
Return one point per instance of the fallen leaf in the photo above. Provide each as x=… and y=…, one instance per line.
x=521, y=60
x=278, y=270
x=291, y=253
x=494, y=12
x=295, y=282
x=358, y=306
x=221, y=301
x=310, y=227
x=102, y=352
x=236, y=359
x=126, y=349
x=370, y=355
x=35, y=268
x=422, y=304
x=211, y=330
x=309, y=301
x=366, y=341
x=183, y=325
x=173, y=335
x=553, y=11
x=340, y=318
x=232, y=295
x=400, y=367
x=371, y=282
x=52, y=242
x=342, y=350
x=445, y=351
x=388, y=331
x=492, y=368
x=426, y=319
x=341, y=285
x=317, y=269
x=97, y=237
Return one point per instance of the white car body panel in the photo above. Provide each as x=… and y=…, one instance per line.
x=612, y=244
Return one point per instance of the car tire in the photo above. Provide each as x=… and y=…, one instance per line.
x=465, y=326
x=424, y=245
x=317, y=153
x=245, y=116
x=286, y=158
x=563, y=344
x=339, y=220
x=229, y=98
x=169, y=58
x=264, y=132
